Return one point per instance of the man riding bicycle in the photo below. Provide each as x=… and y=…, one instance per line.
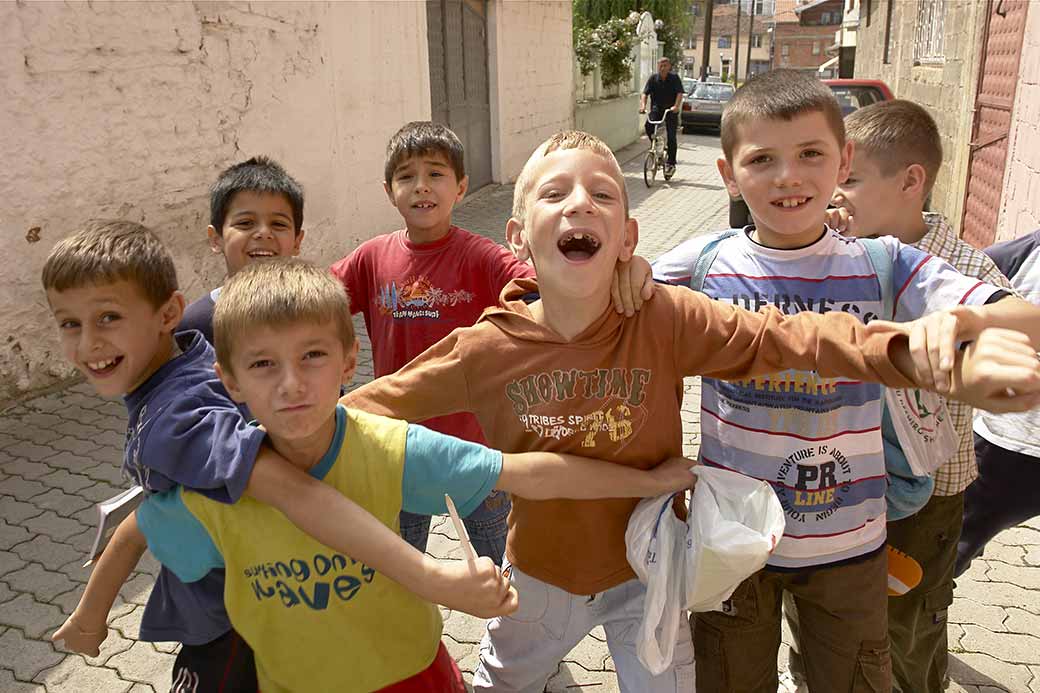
x=666, y=94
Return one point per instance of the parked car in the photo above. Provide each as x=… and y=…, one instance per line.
x=704, y=104
x=857, y=93
x=687, y=84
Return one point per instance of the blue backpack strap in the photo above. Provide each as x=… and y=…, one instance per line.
x=708, y=254
x=881, y=261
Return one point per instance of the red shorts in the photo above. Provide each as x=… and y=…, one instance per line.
x=442, y=676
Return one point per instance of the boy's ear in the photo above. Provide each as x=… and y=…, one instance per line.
x=172, y=311
x=517, y=239
x=914, y=180
x=350, y=365
x=463, y=187
x=230, y=384
x=216, y=241
x=630, y=239
x=298, y=241
x=389, y=190
x=726, y=171
x=845, y=167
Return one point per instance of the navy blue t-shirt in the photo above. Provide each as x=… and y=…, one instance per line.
x=199, y=315
x=183, y=429
x=662, y=92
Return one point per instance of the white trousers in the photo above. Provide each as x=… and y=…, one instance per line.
x=521, y=651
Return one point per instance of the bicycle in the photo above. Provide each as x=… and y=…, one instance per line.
x=655, y=154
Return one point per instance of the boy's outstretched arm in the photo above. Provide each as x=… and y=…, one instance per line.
x=327, y=515
x=545, y=475
x=87, y=627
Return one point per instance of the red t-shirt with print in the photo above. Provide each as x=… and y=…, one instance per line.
x=413, y=295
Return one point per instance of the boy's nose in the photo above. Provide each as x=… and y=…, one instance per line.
x=291, y=383
x=262, y=230
x=579, y=200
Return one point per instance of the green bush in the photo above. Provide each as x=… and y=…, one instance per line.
x=608, y=45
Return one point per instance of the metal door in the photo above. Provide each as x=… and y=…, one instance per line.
x=994, y=100
x=457, y=33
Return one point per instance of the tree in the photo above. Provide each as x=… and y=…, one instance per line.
x=673, y=13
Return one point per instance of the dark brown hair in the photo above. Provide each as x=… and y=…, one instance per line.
x=424, y=137
x=897, y=134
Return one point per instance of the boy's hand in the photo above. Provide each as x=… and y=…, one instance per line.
x=476, y=587
x=933, y=342
x=673, y=475
x=633, y=283
x=999, y=372
x=839, y=219
x=80, y=640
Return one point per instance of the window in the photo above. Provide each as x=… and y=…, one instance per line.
x=815, y=47
x=928, y=33
x=756, y=40
x=725, y=41
x=785, y=50
x=888, y=33
x=759, y=7
x=825, y=18
x=691, y=43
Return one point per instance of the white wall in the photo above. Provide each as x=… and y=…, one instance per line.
x=130, y=110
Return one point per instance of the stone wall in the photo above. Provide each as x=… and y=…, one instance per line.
x=1020, y=200
x=130, y=110
x=947, y=90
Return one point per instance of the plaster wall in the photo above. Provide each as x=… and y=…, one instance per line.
x=947, y=90
x=532, y=82
x=130, y=110
x=1020, y=199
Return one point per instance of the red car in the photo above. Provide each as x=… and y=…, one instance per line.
x=857, y=93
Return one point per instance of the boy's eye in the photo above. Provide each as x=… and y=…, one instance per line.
x=314, y=354
x=603, y=195
x=850, y=181
x=760, y=159
x=551, y=194
x=812, y=153
x=108, y=317
x=261, y=363
x=68, y=324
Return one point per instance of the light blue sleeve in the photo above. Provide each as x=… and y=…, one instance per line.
x=436, y=464
x=176, y=537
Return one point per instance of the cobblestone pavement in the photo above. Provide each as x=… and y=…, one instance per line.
x=60, y=453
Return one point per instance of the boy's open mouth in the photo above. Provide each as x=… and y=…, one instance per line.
x=578, y=246
x=261, y=253
x=791, y=202
x=425, y=204
x=102, y=368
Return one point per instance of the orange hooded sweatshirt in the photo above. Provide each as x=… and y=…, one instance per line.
x=613, y=393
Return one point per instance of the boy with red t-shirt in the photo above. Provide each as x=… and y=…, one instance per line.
x=416, y=285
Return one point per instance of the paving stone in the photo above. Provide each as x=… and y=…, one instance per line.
x=11, y=535
x=113, y=435
x=1032, y=556
x=34, y=618
x=1023, y=576
x=1010, y=647
x=53, y=525
x=27, y=469
x=101, y=491
x=571, y=677
x=74, y=461
x=148, y=565
x=1019, y=621
x=998, y=593
x=14, y=510
x=36, y=580
x=976, y=571
x=589, y=654
x=10, y=561
x=61, y=502
x=141, y=688
x=74, y=569
x=30, y=451
x=1018, y=536
x=81, y=541
x=22, y=489
x=67, y=482
x=137, y=589
x=954, y=633
x=967, y=611
x=128, y=624
x=113, y=645
x=6, y=593
x=109, y=472
x=73, y=674
x=167, y=647
x=458, y=650
x=44, y=550
x=26, y=658
x=465, y=628
x=80, y=436
x=970, y=669
x=9, y=685
x=35, y=421
x=1013, y=555
x=142, y=663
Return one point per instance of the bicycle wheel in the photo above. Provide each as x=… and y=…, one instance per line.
x=649, y=168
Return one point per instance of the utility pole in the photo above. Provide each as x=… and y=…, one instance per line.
x=709, y=10
x=750, y=34
x=736, y=49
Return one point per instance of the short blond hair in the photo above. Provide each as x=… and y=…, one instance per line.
x=105, y=251
x=896, y=134
x=568, y=139
x=275, y=293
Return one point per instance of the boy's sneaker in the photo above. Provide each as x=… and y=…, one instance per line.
x=789, y=685
x=669, y=169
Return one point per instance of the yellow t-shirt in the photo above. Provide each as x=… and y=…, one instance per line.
x=315, y=618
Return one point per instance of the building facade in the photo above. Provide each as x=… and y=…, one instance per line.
x=803, y=32
x=730, y=43
x=102, y=122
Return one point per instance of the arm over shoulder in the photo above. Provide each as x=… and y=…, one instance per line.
x=176, y=537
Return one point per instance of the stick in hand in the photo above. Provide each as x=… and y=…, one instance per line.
x=460, y=529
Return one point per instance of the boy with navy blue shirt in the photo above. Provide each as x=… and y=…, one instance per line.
x=113, y=291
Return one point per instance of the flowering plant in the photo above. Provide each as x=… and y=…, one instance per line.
x=610, y=46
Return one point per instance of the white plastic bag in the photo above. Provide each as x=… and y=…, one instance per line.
x=735, y=522
x=655, y=543
x=922, y=424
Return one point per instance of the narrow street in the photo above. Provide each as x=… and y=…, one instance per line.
x=60, y=454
